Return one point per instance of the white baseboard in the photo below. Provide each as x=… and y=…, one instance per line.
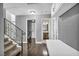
x=24, y=42
x=38, y=42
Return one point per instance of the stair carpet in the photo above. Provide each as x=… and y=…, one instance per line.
x=10, y=49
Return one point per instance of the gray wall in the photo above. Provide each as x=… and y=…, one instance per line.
x=69, y=27
x=38, y=24
x=1, y=31
x=21, y=23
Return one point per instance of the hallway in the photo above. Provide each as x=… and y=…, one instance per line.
x=39, y=29
x=35, y=49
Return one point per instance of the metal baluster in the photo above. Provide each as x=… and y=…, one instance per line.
x=9, y=28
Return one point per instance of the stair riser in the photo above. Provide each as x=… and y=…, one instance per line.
x=13, y=52
x=10, y=48
x=6, y=50
x=6, y=39
x=8, y=44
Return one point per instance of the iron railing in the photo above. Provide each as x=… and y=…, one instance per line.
x=15, y=33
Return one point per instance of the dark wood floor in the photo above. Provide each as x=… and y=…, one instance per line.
x=35, y=50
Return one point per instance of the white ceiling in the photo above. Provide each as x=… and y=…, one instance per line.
x=24, y=8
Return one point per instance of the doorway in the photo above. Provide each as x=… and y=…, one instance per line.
x=45, y=29
x=31, y=32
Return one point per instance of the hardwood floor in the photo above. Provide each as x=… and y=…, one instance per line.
x=35, y=50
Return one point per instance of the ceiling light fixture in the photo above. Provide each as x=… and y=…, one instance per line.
x=32, y=12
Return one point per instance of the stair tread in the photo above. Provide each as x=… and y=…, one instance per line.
x=13, y=52
x=5, y=43
x=9, y=47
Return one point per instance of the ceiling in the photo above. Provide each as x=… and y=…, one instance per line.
x=24, y=8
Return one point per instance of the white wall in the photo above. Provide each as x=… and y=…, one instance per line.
x=54, y=28
x=10, y=16
x=51, y=29
x=60, y=8
x=1, y=31
x=55, y=32
x=54, y=21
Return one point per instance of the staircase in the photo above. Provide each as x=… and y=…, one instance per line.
x=13, y=39
x=11, y=48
